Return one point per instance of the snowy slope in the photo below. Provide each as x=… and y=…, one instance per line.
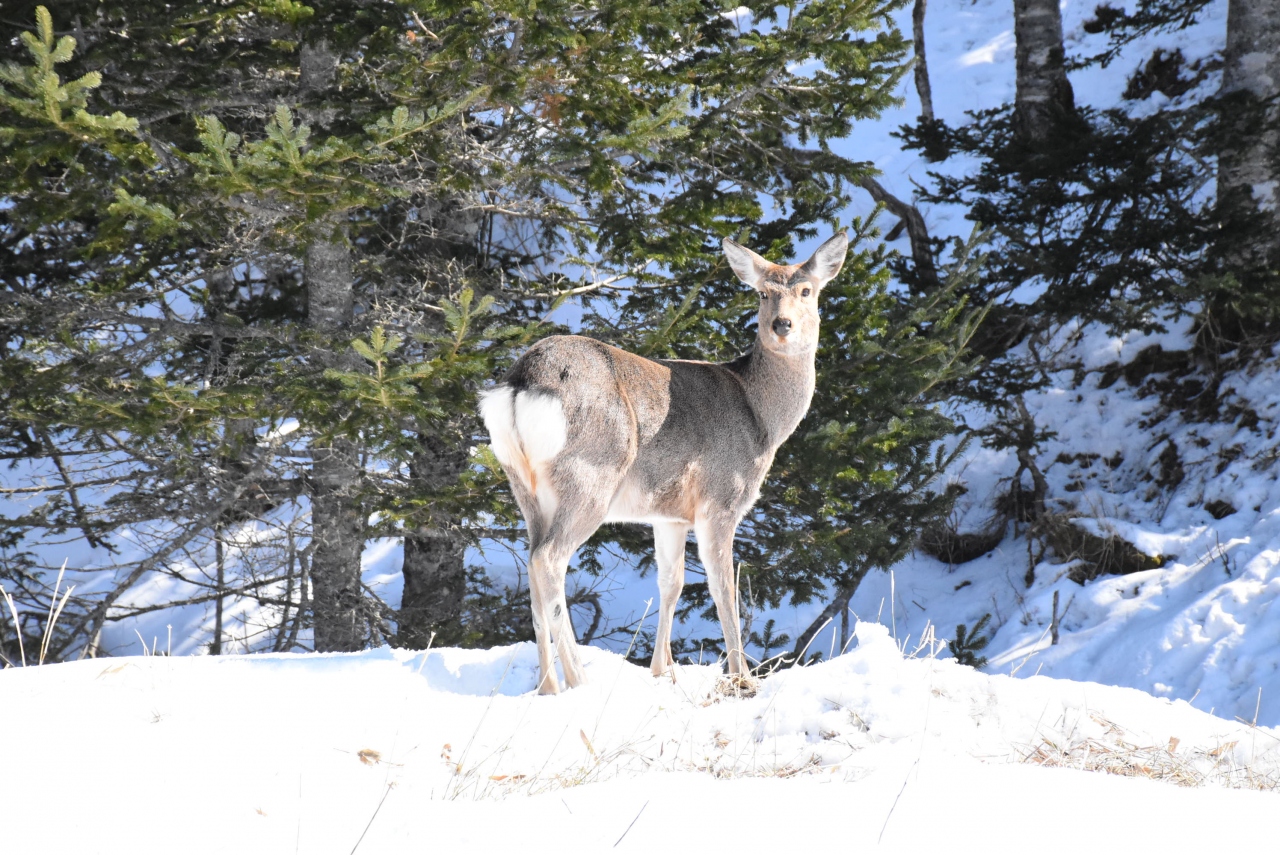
x=1202, y=628
x=397, y=751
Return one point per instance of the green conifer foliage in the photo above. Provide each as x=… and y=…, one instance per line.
x=480, y=164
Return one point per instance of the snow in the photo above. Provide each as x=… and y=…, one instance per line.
x=1205, y=626
x=1166, y=667
x=999, y=48
x=386, y=750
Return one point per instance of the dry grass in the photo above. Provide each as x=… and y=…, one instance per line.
x=725, y=755
x=1105, y=555
x=1115, y=754
x=945, y=542
x=737, y=686
x=55, y=611
x=719, y=760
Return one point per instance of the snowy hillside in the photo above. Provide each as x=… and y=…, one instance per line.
x=1199, y=497
x=386, y=750
x=1201, y=626
x=399, y=751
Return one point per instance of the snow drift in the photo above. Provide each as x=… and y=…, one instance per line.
x=396, y=750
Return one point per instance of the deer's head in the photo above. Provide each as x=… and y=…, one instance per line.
x=789, y=293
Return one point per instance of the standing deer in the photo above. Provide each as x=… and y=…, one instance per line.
x=589, y=434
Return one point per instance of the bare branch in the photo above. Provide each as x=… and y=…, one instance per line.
x=917, y=231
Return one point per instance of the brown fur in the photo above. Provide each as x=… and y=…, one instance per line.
x=677, y=444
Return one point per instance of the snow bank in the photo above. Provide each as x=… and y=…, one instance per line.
x=391, y=750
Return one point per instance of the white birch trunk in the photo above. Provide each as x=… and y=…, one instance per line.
x=1044, y=97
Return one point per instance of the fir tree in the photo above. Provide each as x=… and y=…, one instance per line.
x=259, y=256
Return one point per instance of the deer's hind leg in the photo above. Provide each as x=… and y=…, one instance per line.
x=668, y=548
x=577, y=508
x=536, y=527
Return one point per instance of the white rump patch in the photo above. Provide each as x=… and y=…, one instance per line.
x=540, y=425
x=497, y=411
x=526, y=430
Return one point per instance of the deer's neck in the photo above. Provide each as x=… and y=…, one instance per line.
x=779, y=387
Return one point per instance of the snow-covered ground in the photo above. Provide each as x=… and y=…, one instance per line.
x=1205, y=626
x=390, y=751
x=399, y=751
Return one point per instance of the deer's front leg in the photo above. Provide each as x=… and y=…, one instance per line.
x=715, y=548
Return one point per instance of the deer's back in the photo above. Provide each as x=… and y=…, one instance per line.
x=682, y=432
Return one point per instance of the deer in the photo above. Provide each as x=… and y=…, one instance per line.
x=587, y=433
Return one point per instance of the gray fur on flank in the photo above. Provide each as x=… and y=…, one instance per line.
x=589, y=434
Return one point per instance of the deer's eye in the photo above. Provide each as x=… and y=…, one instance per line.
x=763, y=296
x=805, y=293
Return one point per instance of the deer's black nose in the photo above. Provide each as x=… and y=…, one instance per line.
x=781, y=326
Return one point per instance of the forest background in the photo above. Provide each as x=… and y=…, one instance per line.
x=258, y=258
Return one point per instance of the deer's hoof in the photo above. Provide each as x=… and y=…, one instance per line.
x=738, y=686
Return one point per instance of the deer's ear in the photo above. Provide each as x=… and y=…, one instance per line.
x=746, y=264
x=826, y=262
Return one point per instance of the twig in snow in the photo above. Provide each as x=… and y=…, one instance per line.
x=372, y=818
x=633, y=822
x=895, y=800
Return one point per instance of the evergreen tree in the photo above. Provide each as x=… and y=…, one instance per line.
x=260, y=254
x=853, y=490
x=1101, y=218
x=1106, y=217
x=1101, y=215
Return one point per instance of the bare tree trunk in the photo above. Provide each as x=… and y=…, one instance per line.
x=435, y=578
x=923, y=89
x=839, y=603
x=337, y=513
x=1249, y=163
x=844, y=628
x=237, y=464
x=1044, y=99
x=215, y=646
x=337, y=533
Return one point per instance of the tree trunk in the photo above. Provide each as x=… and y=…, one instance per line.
x=923, y=88
x=839, y=603
x=1248, y=165
x=337, y=515
x=1044, y=102
x=337, y=539
x=435, y=577
x=237, y=463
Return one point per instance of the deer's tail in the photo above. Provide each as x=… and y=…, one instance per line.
x=527, y=429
